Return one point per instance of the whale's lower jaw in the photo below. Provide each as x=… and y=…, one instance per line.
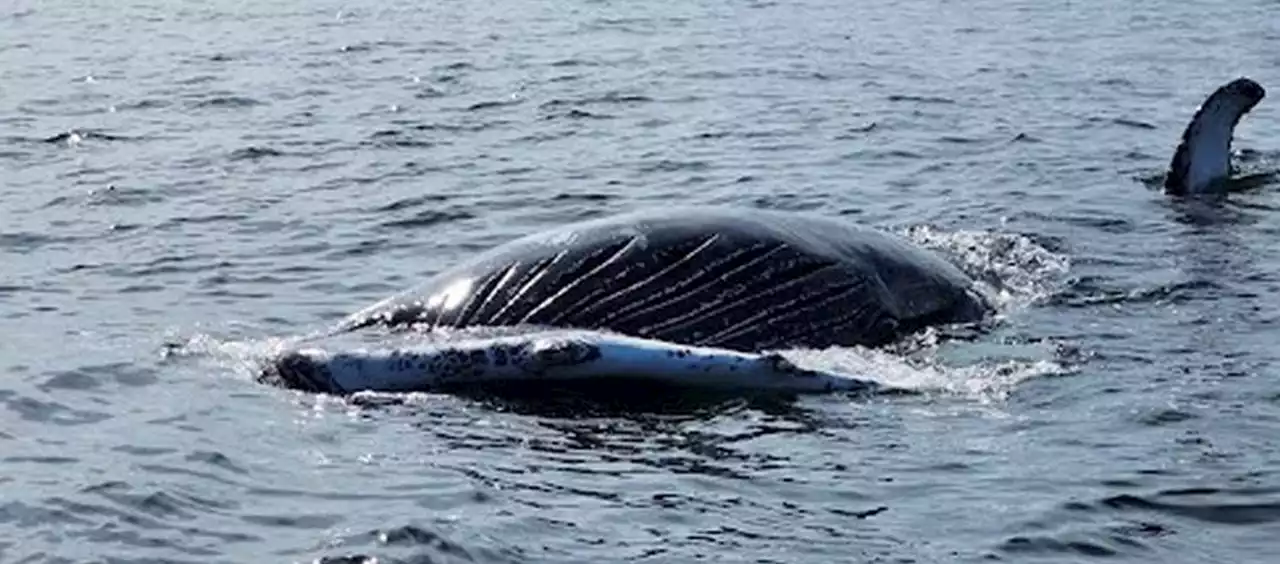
x=1202, y=161
x=553, y=358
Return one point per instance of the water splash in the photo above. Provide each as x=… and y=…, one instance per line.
x=985, y=381
x=1012, y=268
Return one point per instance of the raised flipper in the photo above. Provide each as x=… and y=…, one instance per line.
x=1202, y=162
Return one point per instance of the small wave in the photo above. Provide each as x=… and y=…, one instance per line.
x=95, y=377
x=145, y=104
x=1141, y=518
x=201, y=219
x=563, y=63
x=491, y=104
x=411, y=202
x=111, y=195
x=428, y=218
x=1216, y=511
x=396, y=138
x=1133, y=123
x=78, y=135
x=428, y=92
x=228, y=102
x=453, y=127
x=415, y=544
x=1041, y=544
x=920, y=99
x=169, y=264
x=576, y=114
x=254, y=153
x=74, y=136
x=958, y=140
x=32, y=409
x=1091, y=292
x=26, y=242
x=582, y=197
x=666, y=165
x=608, y=98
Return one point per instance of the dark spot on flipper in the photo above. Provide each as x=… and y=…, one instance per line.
x=778, y=362
x=294, y=370
x=565, y=353
x=783, y=365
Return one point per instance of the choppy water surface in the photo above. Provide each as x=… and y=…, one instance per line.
x=229, y=173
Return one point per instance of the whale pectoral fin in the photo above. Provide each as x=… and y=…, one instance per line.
x=1202, y=161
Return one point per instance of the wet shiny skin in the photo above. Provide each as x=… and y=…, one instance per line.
x=739, y=278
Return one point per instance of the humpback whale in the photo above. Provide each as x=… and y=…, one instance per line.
x=697, y=295
x=1202, y=161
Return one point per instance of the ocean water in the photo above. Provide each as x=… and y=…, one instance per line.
x=225, y=174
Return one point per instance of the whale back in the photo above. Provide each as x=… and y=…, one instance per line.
x=736, y=279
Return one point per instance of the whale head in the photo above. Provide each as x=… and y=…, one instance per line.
x=1203, y=158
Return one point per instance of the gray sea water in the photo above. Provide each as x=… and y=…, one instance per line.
x=226, y=173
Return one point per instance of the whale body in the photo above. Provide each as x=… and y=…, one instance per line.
x=738, y=279
x=695, y=296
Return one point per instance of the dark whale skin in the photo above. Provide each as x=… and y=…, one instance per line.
x=741, y=279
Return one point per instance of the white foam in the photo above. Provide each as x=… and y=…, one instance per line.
x=1012, y=268
x=984, y=381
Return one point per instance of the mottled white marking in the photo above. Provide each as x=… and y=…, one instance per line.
x=558, y=356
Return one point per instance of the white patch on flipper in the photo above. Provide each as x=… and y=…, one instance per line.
x=565, y=356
